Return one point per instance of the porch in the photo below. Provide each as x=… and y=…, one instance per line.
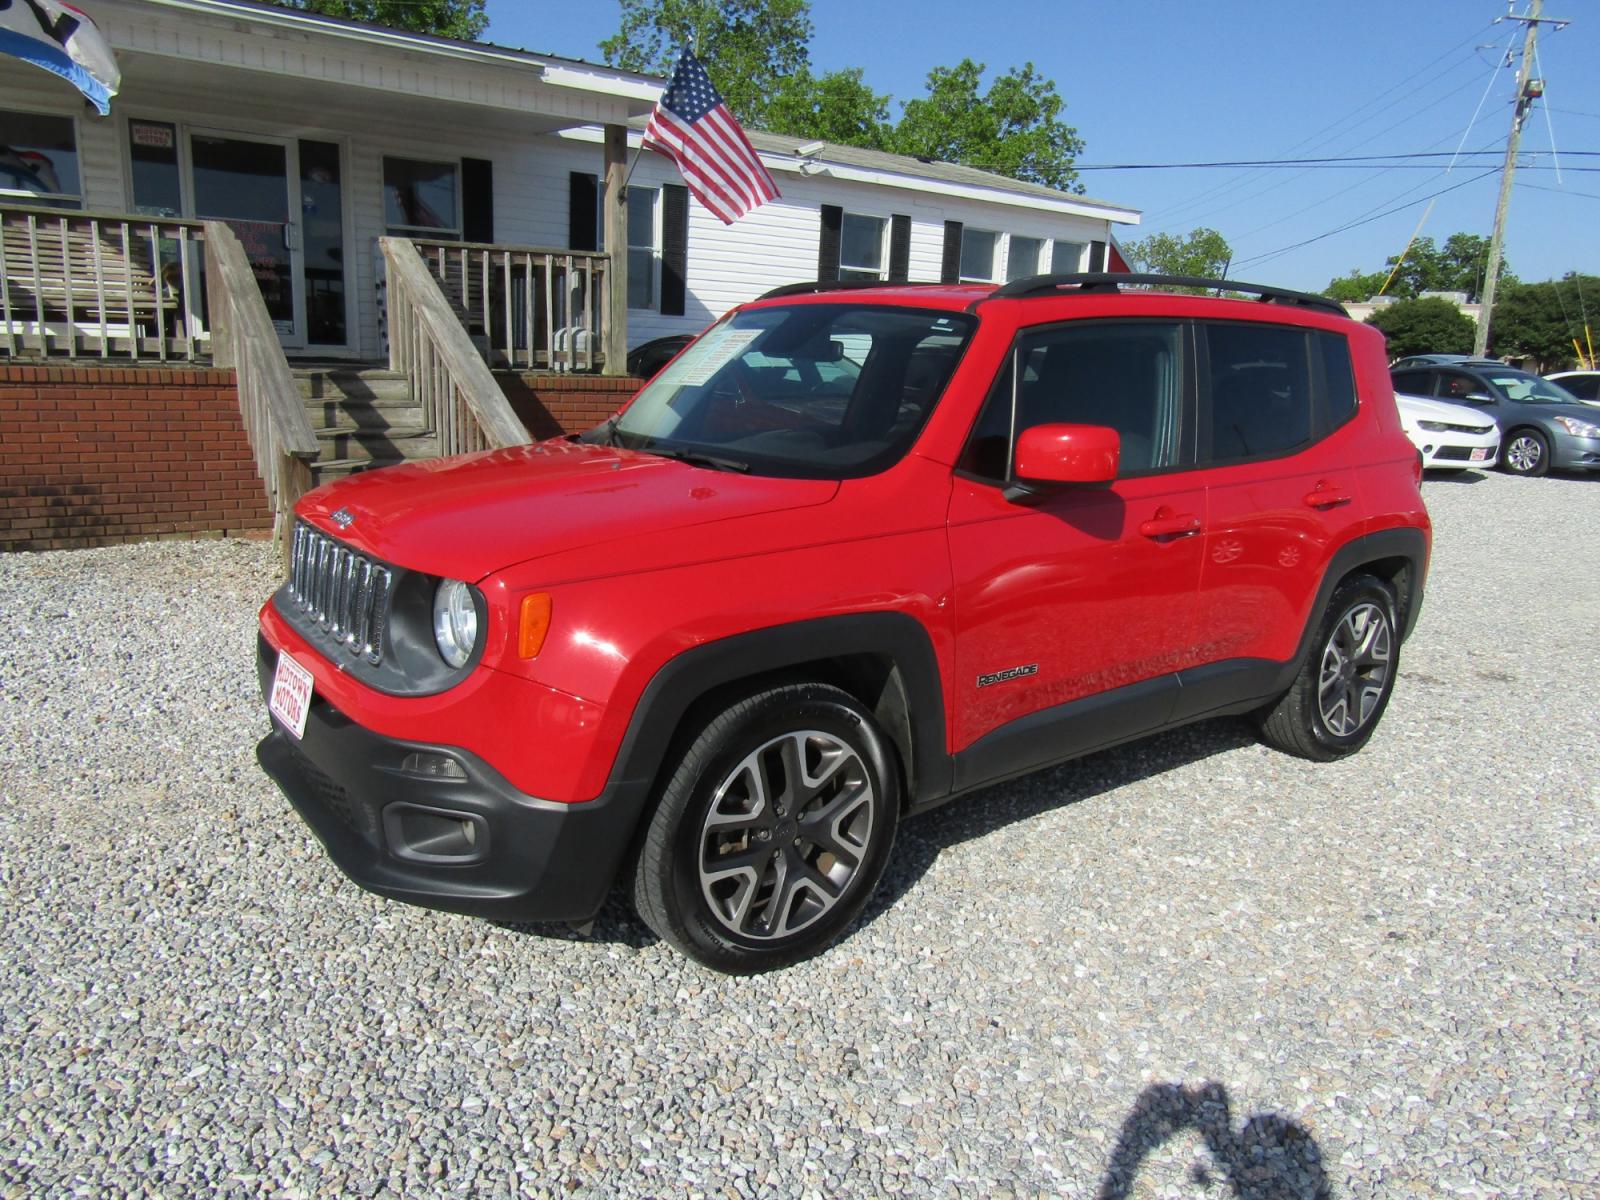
x=468, y=326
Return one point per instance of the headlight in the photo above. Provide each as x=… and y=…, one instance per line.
x=1434, y=426
x=1577, y=428
x=455, y=622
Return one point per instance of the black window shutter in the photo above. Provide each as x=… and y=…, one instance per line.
x=899, y=248
x=477, y=200
x=583, y=211
x=674, y=248
x=828, y=243
x=1098, y=258
x=950, y=268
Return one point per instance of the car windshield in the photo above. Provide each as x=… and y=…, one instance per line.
x=1530, y=389
x=823, y=391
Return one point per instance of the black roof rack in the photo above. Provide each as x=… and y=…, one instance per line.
x=836, y=285
x=1101, y=281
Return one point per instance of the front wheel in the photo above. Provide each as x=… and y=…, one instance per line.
x=1527, y=452
x=1344, y=685
x=772, y=831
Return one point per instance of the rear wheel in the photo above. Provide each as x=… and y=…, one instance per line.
x=772, y=831
x=1527, y=452
x=1344, y=685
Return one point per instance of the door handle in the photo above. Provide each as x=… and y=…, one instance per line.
x=1326, y=496
x=1167, y=523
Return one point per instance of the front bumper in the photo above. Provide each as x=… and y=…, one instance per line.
x=471, y=844
x=1575, y=453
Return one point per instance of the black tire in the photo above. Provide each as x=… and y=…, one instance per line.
x=1526, y=452
x=1344, y=685
x=743, y=885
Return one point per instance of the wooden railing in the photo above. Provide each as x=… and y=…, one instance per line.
x=526, y=307
x=244, y=339
x=100, y=285
x=460, y=399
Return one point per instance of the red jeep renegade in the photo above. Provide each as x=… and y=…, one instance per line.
x=854, y=552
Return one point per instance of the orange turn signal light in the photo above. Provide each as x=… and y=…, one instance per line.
x=534, y=625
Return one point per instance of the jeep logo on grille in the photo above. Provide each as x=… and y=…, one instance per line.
x=344, y=518
x=1008, y=673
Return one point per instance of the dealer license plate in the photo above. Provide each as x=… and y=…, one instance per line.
x=1480, y=454
x=290, y=698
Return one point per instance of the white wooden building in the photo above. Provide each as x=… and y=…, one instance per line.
x=313, y=137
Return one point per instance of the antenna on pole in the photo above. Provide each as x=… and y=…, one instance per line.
x=1529, y=89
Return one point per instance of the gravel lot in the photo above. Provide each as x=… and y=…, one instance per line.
x=1187, y=968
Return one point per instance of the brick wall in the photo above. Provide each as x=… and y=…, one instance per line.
x=551, y=404
x=93, y=456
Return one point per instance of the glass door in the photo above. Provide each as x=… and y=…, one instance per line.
x=252, y=185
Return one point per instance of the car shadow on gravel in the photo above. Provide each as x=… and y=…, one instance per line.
x=1454, y=477
x=1269, y=1157
x=922, y=839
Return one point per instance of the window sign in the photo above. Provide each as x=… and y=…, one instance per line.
x=39, y=160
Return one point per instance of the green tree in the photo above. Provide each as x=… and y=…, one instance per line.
x=1013, y=129
x=1457, y=266
x=836, y=107
x=463, y=19
x=1203, y=252
x=1431, y=325
x=749, y=47
x=1540, y=320
x=1355, y=287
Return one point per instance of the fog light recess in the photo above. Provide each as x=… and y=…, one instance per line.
x=434, y=835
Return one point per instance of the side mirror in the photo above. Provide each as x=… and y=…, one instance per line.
x=1048, y=454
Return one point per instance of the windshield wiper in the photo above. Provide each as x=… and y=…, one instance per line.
x=697, y=460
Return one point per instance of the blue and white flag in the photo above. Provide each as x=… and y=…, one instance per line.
x=61, y=39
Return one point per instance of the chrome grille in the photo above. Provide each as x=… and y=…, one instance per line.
x=345, y=593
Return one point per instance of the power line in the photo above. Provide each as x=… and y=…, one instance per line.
x=1271, y=254
x=1352, y=160
x=1412, y=82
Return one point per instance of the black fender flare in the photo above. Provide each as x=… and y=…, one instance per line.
x=693, y=674
x=1405, y=542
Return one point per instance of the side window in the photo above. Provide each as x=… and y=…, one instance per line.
x=39, y=160
x=1457, y=387
x=1128, y=376
x=1413, y=383
x=1336, y=381
x=421, y=199
x=1260, y=393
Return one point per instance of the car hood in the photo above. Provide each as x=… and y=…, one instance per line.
x=467, y=516
x=1420, y=408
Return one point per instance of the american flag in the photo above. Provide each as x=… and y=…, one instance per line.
x=693, y=127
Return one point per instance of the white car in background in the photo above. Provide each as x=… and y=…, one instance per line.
x=1451, y=437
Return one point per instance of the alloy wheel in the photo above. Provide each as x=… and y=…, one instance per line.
x=1355, y=670
x=1524, y=453
x=785, y=835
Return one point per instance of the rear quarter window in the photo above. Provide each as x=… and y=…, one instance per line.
x=1259, y=398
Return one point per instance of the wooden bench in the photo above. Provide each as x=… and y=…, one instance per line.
x=77, y=283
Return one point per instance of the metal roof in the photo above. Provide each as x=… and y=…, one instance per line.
x=901, y=164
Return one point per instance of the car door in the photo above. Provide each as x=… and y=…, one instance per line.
x=1076, y=602
x=1284, y=464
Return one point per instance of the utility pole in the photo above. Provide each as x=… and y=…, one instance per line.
x=1528, y=90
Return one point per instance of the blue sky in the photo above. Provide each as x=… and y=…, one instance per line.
x=1167, y=81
